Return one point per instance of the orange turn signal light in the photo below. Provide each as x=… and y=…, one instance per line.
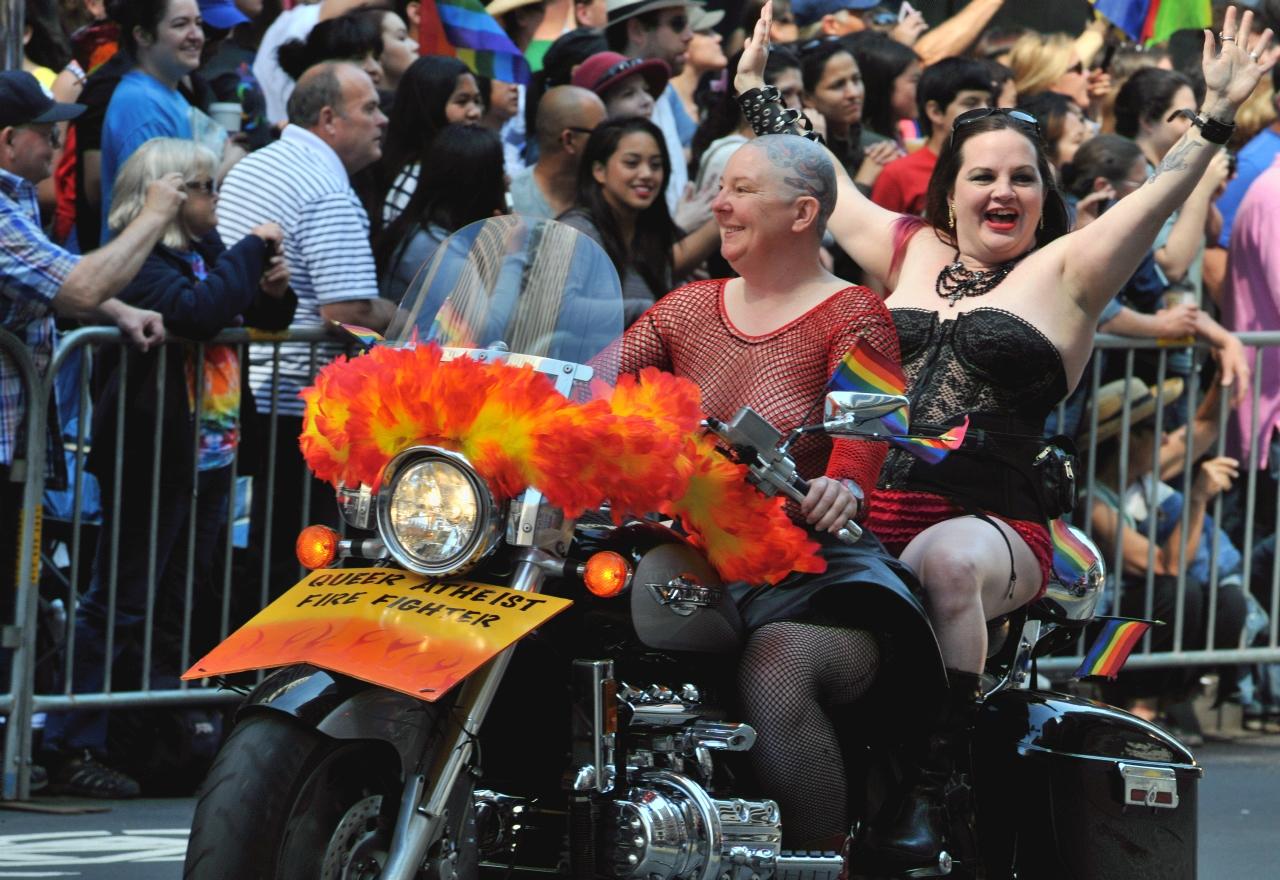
x=317, y=547
x=606, y=574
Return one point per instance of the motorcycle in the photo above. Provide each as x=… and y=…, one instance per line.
x=561, y=699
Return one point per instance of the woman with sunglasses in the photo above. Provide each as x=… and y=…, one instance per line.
x=996, y=308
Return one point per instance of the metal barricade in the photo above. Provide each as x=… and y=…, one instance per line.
x=89, y=344
x=20, y=636
x=1186, y=629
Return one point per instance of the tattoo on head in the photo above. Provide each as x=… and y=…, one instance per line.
x=1178, y=157
x=805, y=168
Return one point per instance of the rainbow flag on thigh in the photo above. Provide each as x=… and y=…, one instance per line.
x=1112, y=647
x=464, y=30
x=864, y=369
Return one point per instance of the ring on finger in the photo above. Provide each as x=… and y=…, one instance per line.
x=1253, y=55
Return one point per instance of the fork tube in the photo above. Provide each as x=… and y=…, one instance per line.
x=419, y=828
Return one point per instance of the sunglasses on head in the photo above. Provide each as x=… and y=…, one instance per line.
x=819, y=41
x=983, y=112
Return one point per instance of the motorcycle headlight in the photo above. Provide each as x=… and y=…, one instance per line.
x=436, y=516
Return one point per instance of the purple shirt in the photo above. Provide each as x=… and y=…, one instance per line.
x=1251, y=301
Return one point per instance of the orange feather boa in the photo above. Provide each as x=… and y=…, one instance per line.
x=637, y=446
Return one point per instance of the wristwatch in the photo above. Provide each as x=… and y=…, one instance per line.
x=1215, y=131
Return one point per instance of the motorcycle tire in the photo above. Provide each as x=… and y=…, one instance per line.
x=273, y=800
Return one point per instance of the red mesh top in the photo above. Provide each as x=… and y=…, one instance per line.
x=781, y=375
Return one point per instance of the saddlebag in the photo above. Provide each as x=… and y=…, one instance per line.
x=1070, y=788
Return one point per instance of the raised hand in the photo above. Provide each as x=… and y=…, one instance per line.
x=1231, y=74
x=755, y=52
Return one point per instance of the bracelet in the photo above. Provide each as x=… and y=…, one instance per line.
x=858, y=495
x=1215, y=131
x=766, y=114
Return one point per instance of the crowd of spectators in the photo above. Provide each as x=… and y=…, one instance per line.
x=218, y=163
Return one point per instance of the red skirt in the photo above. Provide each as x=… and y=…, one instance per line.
x=896, y=517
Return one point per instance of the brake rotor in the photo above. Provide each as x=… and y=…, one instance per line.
x=359, y=845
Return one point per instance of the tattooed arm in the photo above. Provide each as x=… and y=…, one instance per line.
x=1098, y=259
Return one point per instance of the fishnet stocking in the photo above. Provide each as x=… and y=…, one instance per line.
x=789, y=672
x=781, y=375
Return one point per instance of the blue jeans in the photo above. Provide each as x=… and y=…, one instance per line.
x=81, y=730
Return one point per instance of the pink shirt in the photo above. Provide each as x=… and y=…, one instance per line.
x=1252, y=302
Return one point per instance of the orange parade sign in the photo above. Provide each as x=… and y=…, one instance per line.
x=408, y=632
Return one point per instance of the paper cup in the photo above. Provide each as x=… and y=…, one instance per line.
x=226, y=114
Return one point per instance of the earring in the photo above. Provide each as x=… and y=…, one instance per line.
x=1042, y=219
x=951, y=215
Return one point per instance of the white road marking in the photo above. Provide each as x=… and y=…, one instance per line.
x=77, y=849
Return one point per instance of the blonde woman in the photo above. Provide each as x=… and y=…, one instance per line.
x=199, y=287
x=1050, y=63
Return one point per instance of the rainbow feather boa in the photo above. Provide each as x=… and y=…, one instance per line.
x=637, y=445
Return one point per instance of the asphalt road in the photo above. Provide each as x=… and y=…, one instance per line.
x=146, y=839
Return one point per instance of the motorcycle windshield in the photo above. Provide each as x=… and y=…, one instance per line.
x=536, y=286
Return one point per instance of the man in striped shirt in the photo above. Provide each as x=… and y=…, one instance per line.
x=302, y=182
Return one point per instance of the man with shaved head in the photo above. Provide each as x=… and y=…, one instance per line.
x=771, y=340
x=566, y=117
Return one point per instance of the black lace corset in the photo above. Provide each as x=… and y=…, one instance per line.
x=983, y=361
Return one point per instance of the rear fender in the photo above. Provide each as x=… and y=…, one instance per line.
x=348, y=709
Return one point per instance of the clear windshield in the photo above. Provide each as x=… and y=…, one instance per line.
x=536, y=286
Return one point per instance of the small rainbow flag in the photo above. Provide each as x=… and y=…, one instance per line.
x=1071, y=558
x=867, y=370
x=1112, y=648
x=366, y=337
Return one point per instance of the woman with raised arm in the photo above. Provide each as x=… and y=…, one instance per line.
x=995, y=307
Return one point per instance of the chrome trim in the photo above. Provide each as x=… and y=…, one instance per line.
x=1189, y=769
x=684, y=594
x=483, y=542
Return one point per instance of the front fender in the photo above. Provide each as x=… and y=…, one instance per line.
x=347, y=708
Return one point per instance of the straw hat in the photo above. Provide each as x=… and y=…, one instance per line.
x=701, y=19
x=621, y=10
x=499, y=8
x=1142, y=406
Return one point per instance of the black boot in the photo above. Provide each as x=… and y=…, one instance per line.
x=915, y=843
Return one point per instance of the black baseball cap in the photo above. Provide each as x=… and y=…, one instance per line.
x=23, y=102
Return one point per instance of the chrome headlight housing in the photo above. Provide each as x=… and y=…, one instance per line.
x=436, y=515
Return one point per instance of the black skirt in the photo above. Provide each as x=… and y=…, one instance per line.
x=864, y=587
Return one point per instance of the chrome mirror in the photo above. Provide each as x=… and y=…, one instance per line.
x=864, y=414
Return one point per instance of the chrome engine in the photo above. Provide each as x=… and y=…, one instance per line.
x=667, y=826
x=656, y=814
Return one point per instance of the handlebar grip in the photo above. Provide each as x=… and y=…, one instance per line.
x=849, y=533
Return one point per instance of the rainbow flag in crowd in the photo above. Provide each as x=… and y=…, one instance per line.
x=462, y=29
x=865, y=369
x=1154, y=21
x=1116, y=642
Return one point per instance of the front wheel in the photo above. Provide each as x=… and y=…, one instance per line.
x=285, y=802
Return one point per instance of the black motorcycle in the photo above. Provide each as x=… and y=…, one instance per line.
x=601, y=743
